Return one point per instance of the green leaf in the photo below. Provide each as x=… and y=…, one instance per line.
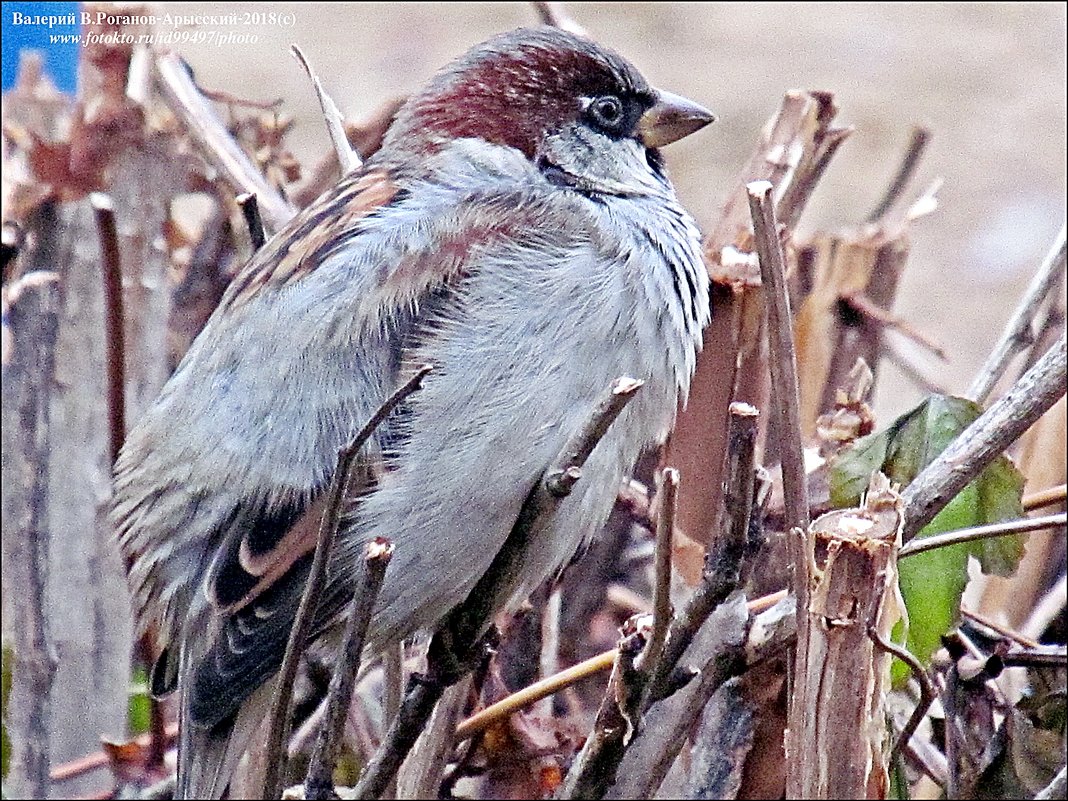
x=139, y=710
x=932, y=582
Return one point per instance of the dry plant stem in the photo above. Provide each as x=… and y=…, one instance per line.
x=111, y=267
x=556, y=15
x=250, y=210
x=783, y=362
x=320, y=779
x=1018, y=334
x=731, y=642
x=594, y=769
x=423, y=772
x=723, y=562
x=347, y=157
x=460, y=635
x=927, y=690
x=918, y=142
x=115, y=344
x=1050, y=656
x=950, y=538
x=392, y=680
x=985, y=439
x=517, y=701
x=1044, y=498
x=524, y=698
x=278, y=722
x=209, y=132
x=838, y=675
x=665, y=527
x=927, y=757
x=32, y=311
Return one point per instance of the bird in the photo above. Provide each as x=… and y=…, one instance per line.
x=517, y=230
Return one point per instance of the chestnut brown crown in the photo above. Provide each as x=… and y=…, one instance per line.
x=522, y=86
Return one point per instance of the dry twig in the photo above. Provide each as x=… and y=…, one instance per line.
x=1018, y=334
x=209, y=132
x=320, y=783
x=951, y=538
x=278, y=728
x=347, y=156
x=461, y=634
x=985, y=439
x=665, y=527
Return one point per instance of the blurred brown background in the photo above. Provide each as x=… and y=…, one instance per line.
x=988, y=79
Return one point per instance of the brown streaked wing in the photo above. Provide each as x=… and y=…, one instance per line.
x=309, y=237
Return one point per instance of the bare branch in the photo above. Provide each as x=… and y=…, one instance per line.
x=918, y=142
x=1018, y=334
x=556, y=14
x=462, y=633
x=724, y=562
x=783, y=362
x=278, y=729
x=562, y=476
x=347, y=156
x=208, y=131
x=319, y=783
x=985, y=439
x=594, y=768
x=951, y=538
x=115, y=339
x=927, y=690
x=1044, y=498
x=665, y=527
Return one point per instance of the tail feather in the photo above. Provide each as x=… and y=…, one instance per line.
x=209, y=757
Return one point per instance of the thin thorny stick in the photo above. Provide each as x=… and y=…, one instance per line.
x=462, y=633
x=115, y=359
x=208, y=131
x=724, y=559
x=550, y=685
x=783, y=361
x=278, y=726
x=319, y=783
x=985, y=439
x=347, y=156
x=949, y=538
x=665, y=526
x=1018, y=334
x=918, y=142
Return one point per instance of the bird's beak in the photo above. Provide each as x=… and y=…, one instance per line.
x=670, y=119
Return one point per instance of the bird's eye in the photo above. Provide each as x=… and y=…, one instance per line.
x=607, y=111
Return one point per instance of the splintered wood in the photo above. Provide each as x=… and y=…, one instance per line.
x=836, y=745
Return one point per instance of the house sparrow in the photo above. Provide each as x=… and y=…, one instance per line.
x=518, y=232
